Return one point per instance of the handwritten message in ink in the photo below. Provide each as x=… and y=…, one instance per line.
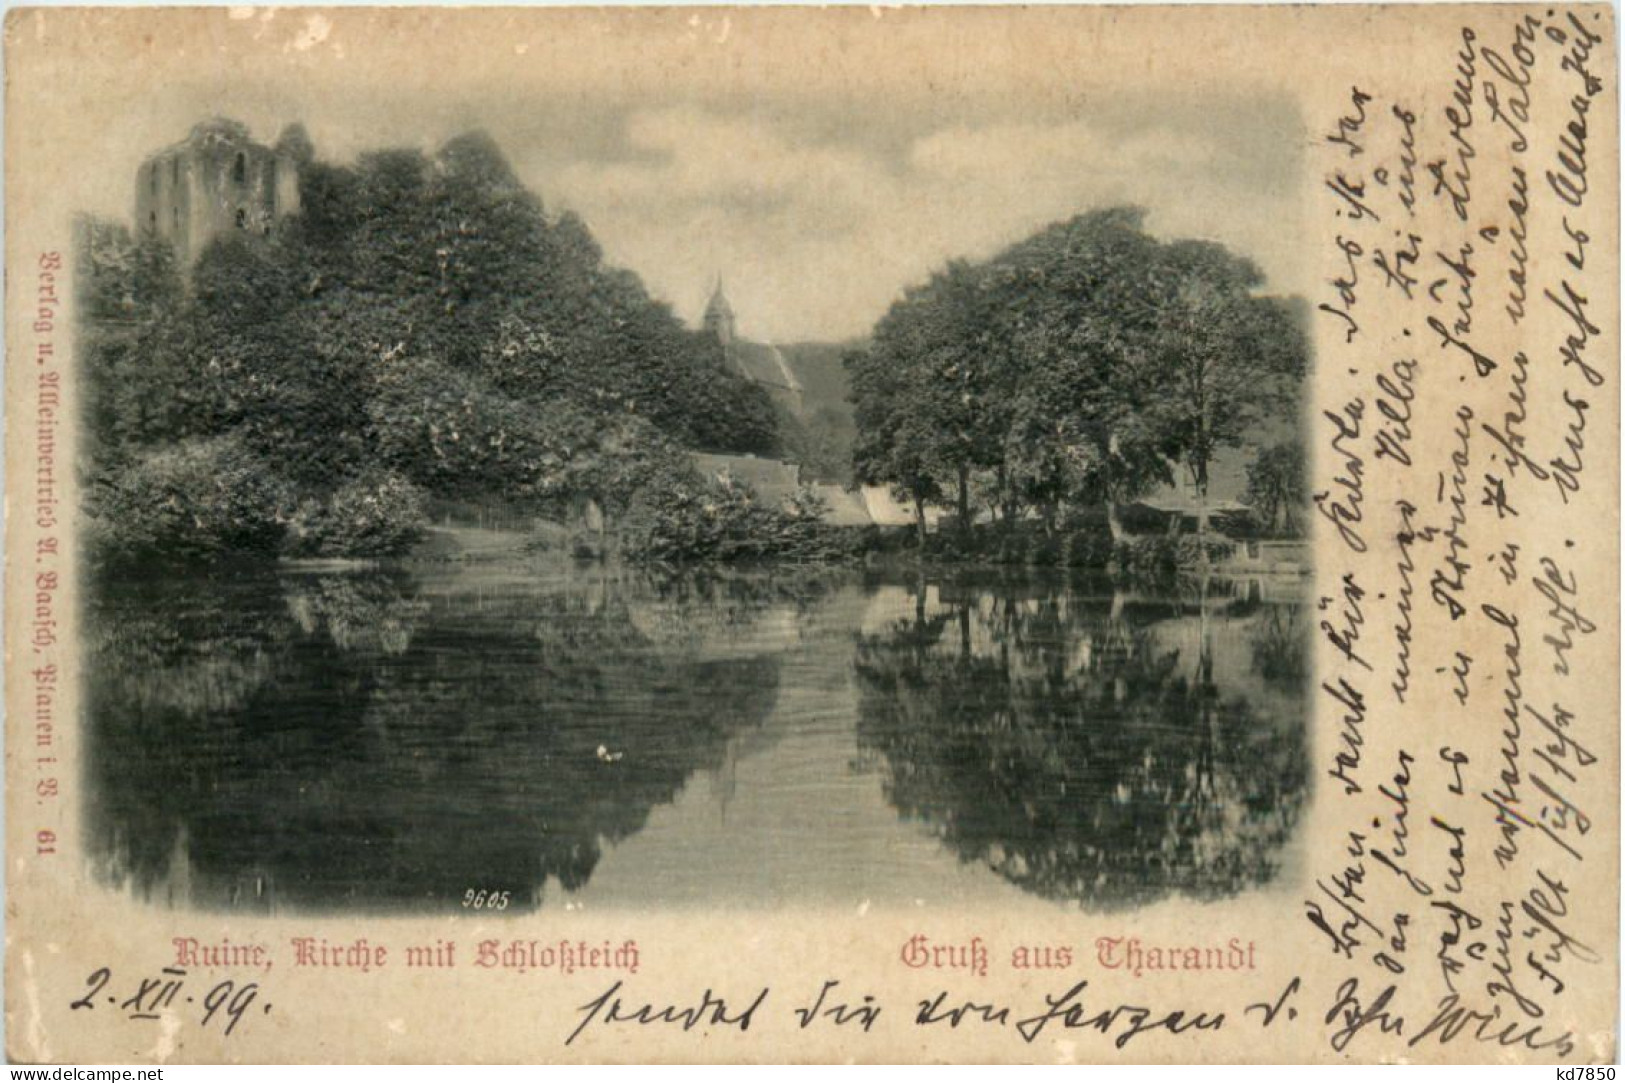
x=1465, y=376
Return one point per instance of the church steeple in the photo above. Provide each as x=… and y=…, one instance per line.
x=719, y=316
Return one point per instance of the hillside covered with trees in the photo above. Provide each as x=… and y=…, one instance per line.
x=422, y=330
x=821, y=439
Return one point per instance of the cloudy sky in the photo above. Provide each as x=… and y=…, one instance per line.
x=817, y=197
x=816, y=236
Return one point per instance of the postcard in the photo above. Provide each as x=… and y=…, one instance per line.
x=993, y=534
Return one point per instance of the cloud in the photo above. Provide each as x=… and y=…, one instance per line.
x=817, y=237
x=692, y=156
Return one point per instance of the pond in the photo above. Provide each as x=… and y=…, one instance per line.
x=387, y=741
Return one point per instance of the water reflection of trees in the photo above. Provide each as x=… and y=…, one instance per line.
x=1086, y=751
x=350, y=740
x=1279, y=645
x=697, y=605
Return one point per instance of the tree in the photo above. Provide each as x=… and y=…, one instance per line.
x=894, y=446
x=270, y=368
x=1032, y=367
x=127, y=289
x=1085, y=384
x=1224, y=356
x=1074, y=368
x=201, y=497
x=1276, y=487
x=945, y=340
x=821, y=443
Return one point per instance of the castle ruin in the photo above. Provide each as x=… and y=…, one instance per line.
x=215, y=180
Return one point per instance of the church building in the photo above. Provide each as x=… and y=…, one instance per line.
x=760, y=363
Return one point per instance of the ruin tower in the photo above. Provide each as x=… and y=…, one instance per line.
x=214, y=181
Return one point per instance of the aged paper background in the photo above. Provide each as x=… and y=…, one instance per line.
x=1507, y=733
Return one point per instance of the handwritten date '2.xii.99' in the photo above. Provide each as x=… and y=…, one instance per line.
x=224, y=1003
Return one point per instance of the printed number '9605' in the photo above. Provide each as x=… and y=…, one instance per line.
x=485, y=900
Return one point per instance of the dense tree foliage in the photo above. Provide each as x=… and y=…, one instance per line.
x=722, y=521
x=821, y=442
x=1277, y=486
x=421, y=325
x=1080, y=367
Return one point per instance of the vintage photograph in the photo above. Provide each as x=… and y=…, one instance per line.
x=650, y=502
x=985, y=534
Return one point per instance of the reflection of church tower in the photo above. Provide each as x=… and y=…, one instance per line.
x=719, y=317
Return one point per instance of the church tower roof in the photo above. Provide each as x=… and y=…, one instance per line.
x=719, y=317
x=761, y=363
x=718, y=308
